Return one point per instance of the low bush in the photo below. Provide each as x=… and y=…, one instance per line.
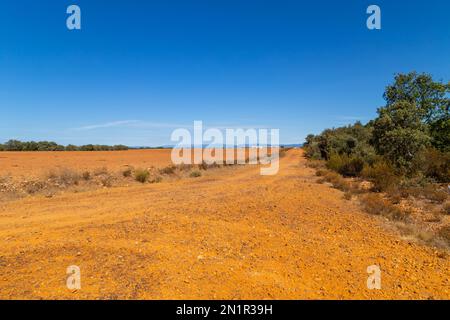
x=446, y=208
x=348, y=196
x=168, y=170
x=382, y=175
x=434, y=164
x=64, y=176
x=184, y=167
x=315, y=164
x=205, y=166
x=32, y=187
x=429, y=191
x=444, y=233
x=345, y=165
x=433, y=193
x=195, y=174
x=338, y=181
x=127, y=172
x=86, y=175
x=107, y=181
x=141, y=175
x=156, y=179
x=320, y=173
x=100, y=171
x=376, y=205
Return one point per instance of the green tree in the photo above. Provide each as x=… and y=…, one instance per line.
x=429, y=96
x=71, y=147
x=440, y=133
x=13, y=145
x=399, y=133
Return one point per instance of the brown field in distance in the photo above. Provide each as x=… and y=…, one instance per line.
x=28, y=165
x=35, y=164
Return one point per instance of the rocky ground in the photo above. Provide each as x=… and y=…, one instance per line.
x=230, y=234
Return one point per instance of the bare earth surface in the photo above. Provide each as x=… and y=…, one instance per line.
x=231, y=234
x=35, y=164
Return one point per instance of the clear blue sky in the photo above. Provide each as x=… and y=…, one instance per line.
x=139, y=69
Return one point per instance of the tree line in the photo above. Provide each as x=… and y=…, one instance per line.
x=16, y=145
x=409, y=139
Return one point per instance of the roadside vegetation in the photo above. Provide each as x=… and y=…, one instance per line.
x=402, y=157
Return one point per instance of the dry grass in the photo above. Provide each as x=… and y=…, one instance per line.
x=86, y=175
x=156, y=179
x=337, y=181
x=107, y=181
x=382, y=175
x=414, y=233
x=128, y=172
x=64, y=177
x=415, y=207
x=315, y=164
x=375, y=204
x=348, y=196
x=205, y=166
x=168, y=170
x=446, y=208
x=433, y=193
x=100, y=171
x=185, y=167
x=444, y=233
x=430, y=192
x=34, y=187
x=5, y=179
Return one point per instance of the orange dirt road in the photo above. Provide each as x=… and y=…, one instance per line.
x=231, y=234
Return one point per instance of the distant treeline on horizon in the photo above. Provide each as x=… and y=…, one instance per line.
x=16, y=145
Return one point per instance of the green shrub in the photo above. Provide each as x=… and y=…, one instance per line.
x=382, y=175
x=141, y=175
x=335, y=162
x=195, y=174
x=434, y=164
x=345, y=165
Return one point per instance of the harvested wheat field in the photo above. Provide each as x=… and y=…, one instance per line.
x=230, y=234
